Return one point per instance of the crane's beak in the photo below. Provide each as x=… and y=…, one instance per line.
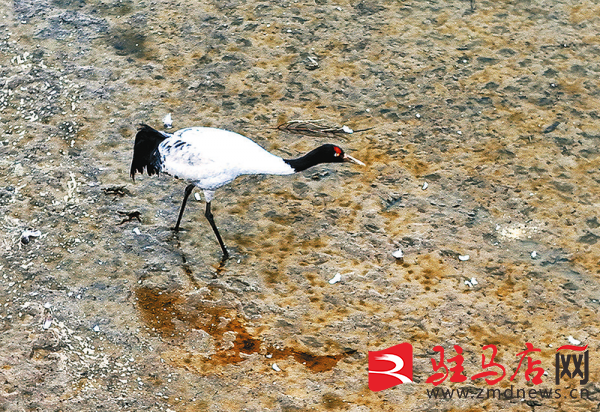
x=348, y=158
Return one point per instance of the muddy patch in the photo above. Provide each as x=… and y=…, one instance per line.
x=174, y=316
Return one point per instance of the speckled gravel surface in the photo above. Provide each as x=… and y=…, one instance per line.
x=486, y=127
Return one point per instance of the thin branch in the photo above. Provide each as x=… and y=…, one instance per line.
x=316, y=128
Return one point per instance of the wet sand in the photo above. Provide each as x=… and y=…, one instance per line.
x=494, y=108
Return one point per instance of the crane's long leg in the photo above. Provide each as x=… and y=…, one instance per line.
x=209, y=217
x=186, y=194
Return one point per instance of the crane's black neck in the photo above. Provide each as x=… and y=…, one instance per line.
x=322, y=154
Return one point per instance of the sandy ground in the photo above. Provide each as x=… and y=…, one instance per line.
x=495, y=108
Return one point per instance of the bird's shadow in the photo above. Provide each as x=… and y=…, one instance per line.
x=175, y=240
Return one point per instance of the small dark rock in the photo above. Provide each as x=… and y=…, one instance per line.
x=593, y=222
x=300, y=188
x=366, y=8
x=487, y=60
x=563, y=187
x=570, y=286
x=552, y=127
x=589, y=238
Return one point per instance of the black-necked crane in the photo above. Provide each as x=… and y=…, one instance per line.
x=210, y=158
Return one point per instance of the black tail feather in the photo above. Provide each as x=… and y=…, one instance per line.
x=146, y=142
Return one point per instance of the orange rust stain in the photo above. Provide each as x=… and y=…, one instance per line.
x=332, y=401
x=158, y=309
x=313, y=362
x=588, y=260
x=506, y=288
x=491, y=337
x=164, y=310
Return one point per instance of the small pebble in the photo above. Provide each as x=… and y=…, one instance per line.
x=335, y=279
x=573, y=341
x=276, y=368
x=464, y=257
x=346, y=129
x=197, y=196
x=533, y=254
x=96, y=328
x=47, y=324
x=425, y=186
x=137, y=231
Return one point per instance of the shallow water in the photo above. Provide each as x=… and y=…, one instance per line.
x=495, y=108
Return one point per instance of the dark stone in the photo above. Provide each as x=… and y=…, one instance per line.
x=552, y=127
x=487, y=60
x=589, y=238
x=564, y=187
x=570, y=286
x=367, y=8
x=593, y=222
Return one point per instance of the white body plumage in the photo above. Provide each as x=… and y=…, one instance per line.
x=211, y=158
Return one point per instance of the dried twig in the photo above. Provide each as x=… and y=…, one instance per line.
x=116, y=190
x=315, y=128
x=129, y=216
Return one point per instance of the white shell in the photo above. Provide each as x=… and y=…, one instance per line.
x=96, y=328
x=398, y=254
x=425, y=186
x=30, y=233
x=573, y=341
x=167, y=121
x=335, y=279
x=471, y=283
x=464, y=257
x=348, y=130
x=276, y=368
x=137, y=231
x=47, y=324
x=533, y=254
